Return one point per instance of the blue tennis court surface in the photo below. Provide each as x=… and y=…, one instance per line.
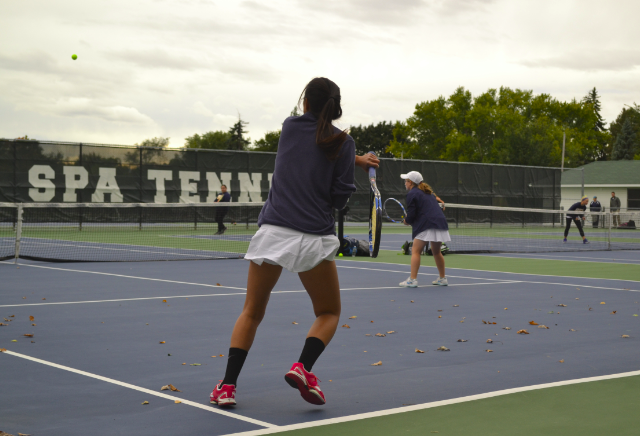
x=108, y=320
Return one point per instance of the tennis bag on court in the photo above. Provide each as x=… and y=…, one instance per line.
x=354, y=247
x=443, y=249
x=631, y=224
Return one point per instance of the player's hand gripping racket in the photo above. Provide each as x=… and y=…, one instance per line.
x=394, y=210
x=375, y=217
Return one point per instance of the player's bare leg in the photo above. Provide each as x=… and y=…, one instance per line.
x=323, y=287
x=416, y=249
x=438, y=257
x=261, y=281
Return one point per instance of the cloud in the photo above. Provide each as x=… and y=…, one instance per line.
x=84, y=107
x=156, y=58
x=589, y=60
x=219, y=120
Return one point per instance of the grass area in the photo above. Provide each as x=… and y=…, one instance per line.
x=519, y=265
x=608, y=407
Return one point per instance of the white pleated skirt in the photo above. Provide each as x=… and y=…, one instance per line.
x=434, y=235
x=291, y=249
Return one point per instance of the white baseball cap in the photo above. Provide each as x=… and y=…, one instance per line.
x=414, y=176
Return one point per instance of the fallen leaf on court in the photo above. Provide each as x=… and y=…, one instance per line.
x=506, y=308
x=353, y=317
x=439, y=316
x=346, y=326
x=484, y=322
x=635, y=314
x=542, y=326
x=533, y=323
x=572, y=330
x=330, y=380
x=3, y=324
x=177, y=401
x=33, y=342
x=456, y=305
x=170, y=387
x=489, y=351
x=222, y=355
x=195, y=364
x=561, y=360
x=31, y=318
x=184, y=363
x=412, y=301
x=368, y=334
x=419, y=351
x=44, y=298
x=625, y=336
x=551, y=311
x=562, y=305
x=590, y=308
x=365, y=351
x=218, y=284
x=294, y=323
x=462, y=340
x=24, y=298
x=2, y=350
x=29, y=335
x=393, y=300
x=12, y=316
x=443, y=348
x=390, y=332
x=6, y=320
x=162, y=342
x=462, y=320
x=492, y=323
x=602, y=302
x=377, y=363
x=613, y=313
x=145, y=402
x=522, y=332
x=20, y=434
x=381, y=335
x=577, y=298
x=489, y=341
x=506, y=328
x=164, y=301
x=371, y=321
x=439, y=310
x=33, y=324
x=214, y=356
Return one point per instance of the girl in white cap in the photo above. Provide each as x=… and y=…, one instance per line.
x=428, y=224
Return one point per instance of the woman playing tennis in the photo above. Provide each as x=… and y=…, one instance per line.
x=314, y=173
x=428, y=224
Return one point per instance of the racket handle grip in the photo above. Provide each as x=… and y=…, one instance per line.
x=372, y=170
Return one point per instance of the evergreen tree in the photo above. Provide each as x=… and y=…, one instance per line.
x=624, y=147
x=593, y=98
x=295, y=112
x=237, y=141
x=632, y=114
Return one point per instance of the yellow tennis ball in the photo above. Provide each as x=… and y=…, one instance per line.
x=340, y=255
x=74, y=57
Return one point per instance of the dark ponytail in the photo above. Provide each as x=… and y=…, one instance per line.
x=323, y=101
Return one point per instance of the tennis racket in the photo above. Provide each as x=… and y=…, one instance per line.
x=375, y=216
x=394, y=210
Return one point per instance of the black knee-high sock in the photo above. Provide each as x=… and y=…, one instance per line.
x=236, y=359
x=313, y=348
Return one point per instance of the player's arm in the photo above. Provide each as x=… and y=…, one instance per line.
x=366, y=161
x=411, y=209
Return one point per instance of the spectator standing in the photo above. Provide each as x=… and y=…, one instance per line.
x=221, y=212
x=614, y=205
x=595, y=206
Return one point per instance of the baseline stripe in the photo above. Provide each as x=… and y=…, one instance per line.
x=416, y=407
x=146, y=391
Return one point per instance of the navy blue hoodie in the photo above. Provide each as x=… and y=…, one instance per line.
x=306, y=186
x=424, y=212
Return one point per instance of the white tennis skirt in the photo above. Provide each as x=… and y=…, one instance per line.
x=434, y=235
x=291, y=249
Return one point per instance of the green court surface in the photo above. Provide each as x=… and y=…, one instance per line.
x=607, y=407
x=567, y=268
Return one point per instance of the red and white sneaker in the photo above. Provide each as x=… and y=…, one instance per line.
x=307, y=383
x=223, y=395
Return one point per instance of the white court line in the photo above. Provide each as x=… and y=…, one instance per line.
x=431, y=405
x=421, y=274
x=495, y=272
x=212, y=409
x=501, y=282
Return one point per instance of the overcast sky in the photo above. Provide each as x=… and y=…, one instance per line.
x=173, y=68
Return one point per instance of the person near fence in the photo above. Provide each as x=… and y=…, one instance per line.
x=614, y=208
x=595, y=206
x=429, y=226
x=577, y=218
x=221, y=212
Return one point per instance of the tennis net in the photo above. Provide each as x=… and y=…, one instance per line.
x=77, y=232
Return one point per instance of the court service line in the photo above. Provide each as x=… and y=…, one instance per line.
x=561, y=259
x=211, y=295
x=422, y=274
x=496, y=272
x=505, y=281
x=431, y=405
x=212, y=409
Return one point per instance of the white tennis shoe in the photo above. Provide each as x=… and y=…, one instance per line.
x=441, y=282
x=409, y=283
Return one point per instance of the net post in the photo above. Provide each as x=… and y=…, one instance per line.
x=18, y=233
x=609, y=233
